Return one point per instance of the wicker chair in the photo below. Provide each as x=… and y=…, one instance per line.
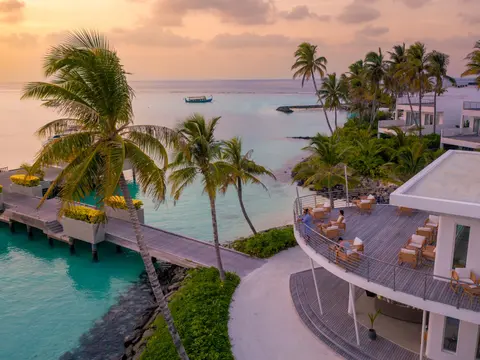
x=408, y=256
x=331, y=232
x=463, y=278
x=416, y=242
x=364, y=206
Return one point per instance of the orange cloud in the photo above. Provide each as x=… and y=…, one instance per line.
x=11, y=11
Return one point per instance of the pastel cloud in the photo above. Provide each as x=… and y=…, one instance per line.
x=373, y=30
x=11, y=11
x=302, y=12
x=250, y=40
x=19, y=39
x=416, y=4
x=359, y=12
x=152, y=37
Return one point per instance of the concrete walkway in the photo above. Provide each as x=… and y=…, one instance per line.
x=264, y=323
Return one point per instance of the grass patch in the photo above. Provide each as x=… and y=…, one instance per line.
x=266, y=244
x=200, y=310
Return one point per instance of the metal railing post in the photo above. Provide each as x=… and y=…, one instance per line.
x=346, y=183
x=394, y=273
x=368, y=269
x=425, y=287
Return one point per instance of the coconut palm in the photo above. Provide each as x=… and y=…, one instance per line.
x=376, y=68
x=88, y=87
x=30, y=170
x=200, y=155
x=324, y=167
x=437, y=68
x=306, y=65
x=394, y=83
x=473, y=65
x=407, y=162
x=333, y=93
x=244, y=171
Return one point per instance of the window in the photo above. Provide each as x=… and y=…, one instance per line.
x=428, y=119
x=450, y=334
x=462, y=236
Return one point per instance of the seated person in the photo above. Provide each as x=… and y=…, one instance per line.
x=337, y=222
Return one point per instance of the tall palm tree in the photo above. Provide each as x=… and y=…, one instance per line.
x=357, y=88
x=89, y=89
x=324, y=167
x=396, y=84
x=200, y=154
x=306, y=65
x=244, y=171
x=376, y=67
x=437, y=68
x=416, y=68
x=473, y=65
x=333, y=93
x=408, y=161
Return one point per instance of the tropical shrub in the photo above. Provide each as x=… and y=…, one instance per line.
x=86, y=214
x=200, y=310
x=266, y=244
x=1, y=189
x=25, y=180
x=118, y=202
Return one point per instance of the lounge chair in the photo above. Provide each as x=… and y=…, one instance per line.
x=358, y=245
x=320, y=213
x=372, y=200
x=340, y=222
x=429, y=253
x=432, y=222
x=471, y=291
x=427, y=232
x=416, y=242
x=331, y=232
x=464, y=278
x=402, y=210
x=408, y=256
x=364, y=206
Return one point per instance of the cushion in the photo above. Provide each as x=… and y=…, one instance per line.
x=463, y=272
x=317, y=210
x=332, y=228
x=407, y=251
x=418, y=239
x=466, y=280
x=433, y=219
x=418, y=246
x=327, y=205
x=431, y=224
x=364, y=201
x=349, y=252
x=425, y=229
x=371, y=197
x=434, y=250
x=357, y=241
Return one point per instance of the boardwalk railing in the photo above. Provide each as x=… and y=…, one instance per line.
x=414, y=282
x=4, y=169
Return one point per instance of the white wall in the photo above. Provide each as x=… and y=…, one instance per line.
x=446, y=245
x=466, y=345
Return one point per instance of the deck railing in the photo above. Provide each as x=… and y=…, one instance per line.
x=421, y=284
x=415, y=101
x=471, y=105
x=4, y=169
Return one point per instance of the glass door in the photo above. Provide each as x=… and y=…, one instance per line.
x=476, y=125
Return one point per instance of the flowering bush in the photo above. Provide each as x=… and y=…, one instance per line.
x=86, y=214
x=25, y=180
x=118, y=202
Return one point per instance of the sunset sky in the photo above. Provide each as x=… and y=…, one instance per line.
x=233, y=39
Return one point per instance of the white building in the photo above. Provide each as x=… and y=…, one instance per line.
x=446, y=197
x=466, y=134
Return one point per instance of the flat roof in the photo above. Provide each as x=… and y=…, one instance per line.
x=450, y=185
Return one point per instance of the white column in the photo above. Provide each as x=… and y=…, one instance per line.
x=422, y=340
x=350, y=312
x=316, y=286
x=352, y=302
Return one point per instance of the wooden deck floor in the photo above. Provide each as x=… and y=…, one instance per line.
x=163, y=245
x=384, y=233
x=336, y=325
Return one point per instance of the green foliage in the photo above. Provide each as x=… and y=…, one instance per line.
x=1, y=189
x=25, y=180
x=33, y=171
x=432, y=141
x=373, y=317
x=200, y=310
x=118, y=202
x=84, y=213
x=266, y=244
x=473, y=65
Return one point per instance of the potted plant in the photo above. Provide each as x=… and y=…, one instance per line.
x=372, y=334
x=26, y=185
x=84, y=223
x=116, y=207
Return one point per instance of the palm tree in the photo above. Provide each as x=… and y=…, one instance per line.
x=408, y=161
x=416, y=68
x=394, y=83
x=30, y=170
x=333, y=93
x=357, y=88
x=473, y=65
x=437, y=68
x=324, y=167
x=89, y=89
x=306, y=65
x=244, y=171
x=376, y=69
x=200, y=154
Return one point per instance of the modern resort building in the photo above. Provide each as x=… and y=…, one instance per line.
x=415, y=259
x=466, y=133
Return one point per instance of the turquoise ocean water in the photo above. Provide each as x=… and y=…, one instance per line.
x=48, y=298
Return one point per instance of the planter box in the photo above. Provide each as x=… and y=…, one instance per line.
x=45, y=184
x=25, y=190
x=123, y=214
x=92, y=233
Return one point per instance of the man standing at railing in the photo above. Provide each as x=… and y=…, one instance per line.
x=307, y=221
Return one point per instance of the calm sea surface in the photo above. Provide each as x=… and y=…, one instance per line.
x=49, y=298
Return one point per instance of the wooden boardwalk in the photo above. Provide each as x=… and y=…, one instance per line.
x=163, y=245
x=336, y=327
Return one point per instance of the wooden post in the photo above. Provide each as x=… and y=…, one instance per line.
x=94, y=253
x=11, y=226
x=29, y=231
x=50, y=242
x=119, y=249
x=72, y=246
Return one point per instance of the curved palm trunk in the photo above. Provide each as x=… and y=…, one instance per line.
x=374, y=106
x=321, y=103
x=420, y=109
x=152, y=275
x=336, y=125
x=215, y=238
x=411, y=109
x=242, y=206
x=435, y=112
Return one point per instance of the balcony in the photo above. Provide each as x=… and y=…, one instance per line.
x=384, y=233
x=427, y=101
x=471, y=105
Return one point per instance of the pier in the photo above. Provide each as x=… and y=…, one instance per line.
x=162, y=245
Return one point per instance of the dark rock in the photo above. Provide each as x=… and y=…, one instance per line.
x=148, y=333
